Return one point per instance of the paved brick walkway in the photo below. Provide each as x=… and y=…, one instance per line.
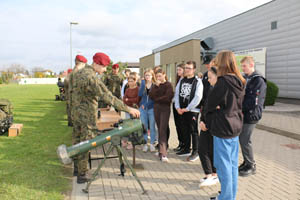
x=283, y=119
x=278, y=174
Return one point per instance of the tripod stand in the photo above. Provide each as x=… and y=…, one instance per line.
x=115, y=144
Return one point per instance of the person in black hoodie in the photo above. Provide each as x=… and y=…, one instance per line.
x=224, y=120
x=206, y=148
x=252, y=109
x=206, y=85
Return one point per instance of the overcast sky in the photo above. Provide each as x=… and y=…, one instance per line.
x=37, y=33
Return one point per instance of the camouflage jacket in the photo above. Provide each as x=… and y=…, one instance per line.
x=71, y=80
x=6, y=106
x=66, y=87
x=87, y=89
x=114, y=83
x=70, y=90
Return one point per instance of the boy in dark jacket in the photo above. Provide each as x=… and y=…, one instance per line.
x=252, y=109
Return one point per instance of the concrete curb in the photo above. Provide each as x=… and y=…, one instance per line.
x=278, y=131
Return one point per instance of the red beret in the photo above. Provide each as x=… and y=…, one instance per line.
x=115, y=66
x=101, y=59
x=69, y=71
x=81, y=58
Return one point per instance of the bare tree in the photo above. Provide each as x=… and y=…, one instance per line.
x=37, y=69
x=17, y=68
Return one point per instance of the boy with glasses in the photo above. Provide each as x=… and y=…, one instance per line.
x=188, y=95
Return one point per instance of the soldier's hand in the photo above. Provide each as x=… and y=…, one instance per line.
x=134, y=112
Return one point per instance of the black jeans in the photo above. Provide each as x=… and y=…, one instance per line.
x=190, y=129
x=246, y=143
x=206, y=152
x=178, y=119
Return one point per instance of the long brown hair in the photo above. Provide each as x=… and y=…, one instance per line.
x=156, y=68
x=178, y=77
x=226, y=64
x=161, y=71
x=152, y=74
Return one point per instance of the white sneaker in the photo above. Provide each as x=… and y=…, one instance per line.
x=152, y=148
x=164, y=159
x=156, y=154
x=145, y=148
x=212, y=180
x=203, y=179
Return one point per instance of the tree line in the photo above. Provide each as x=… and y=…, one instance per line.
x=16, y=71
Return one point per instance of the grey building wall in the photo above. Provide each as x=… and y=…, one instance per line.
x=252, y=29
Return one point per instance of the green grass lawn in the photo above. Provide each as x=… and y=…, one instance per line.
x=29, y=166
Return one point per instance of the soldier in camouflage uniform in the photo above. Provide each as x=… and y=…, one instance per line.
x=6, y=115
x=101, y=103
x=67, y=97
x=114, y=81
x=80, y=62
x=87, y=88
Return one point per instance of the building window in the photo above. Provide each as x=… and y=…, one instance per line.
x=273, y=25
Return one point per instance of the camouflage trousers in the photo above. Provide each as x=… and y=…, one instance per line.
x=68, y=107
x=82, y=132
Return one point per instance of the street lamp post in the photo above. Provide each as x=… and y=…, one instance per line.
x=71, y=57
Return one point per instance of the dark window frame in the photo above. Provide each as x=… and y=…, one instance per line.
x=273, y=25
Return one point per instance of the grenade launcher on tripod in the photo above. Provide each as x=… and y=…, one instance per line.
x=132, y=128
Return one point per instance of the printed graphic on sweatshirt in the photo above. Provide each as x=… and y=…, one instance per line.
x=185, y=91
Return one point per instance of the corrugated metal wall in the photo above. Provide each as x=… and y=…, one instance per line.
x=252, y=29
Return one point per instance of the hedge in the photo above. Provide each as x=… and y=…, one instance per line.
x=272, y=93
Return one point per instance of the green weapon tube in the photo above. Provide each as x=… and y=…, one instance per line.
x=124, y=129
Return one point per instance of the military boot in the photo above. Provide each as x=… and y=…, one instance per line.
x=75, y=171
x=82, y=178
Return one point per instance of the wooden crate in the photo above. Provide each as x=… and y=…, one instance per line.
x=15, y=130
x=107, y=120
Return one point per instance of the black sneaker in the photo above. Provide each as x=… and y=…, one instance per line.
x=180, y=149
x=248, y=170
x=242, y=166
x=82, y=178
x=193, y=157
x=184, y=153
x=176, y=149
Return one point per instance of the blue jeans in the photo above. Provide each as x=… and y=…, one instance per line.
x=226, y=152
x=147, y=118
